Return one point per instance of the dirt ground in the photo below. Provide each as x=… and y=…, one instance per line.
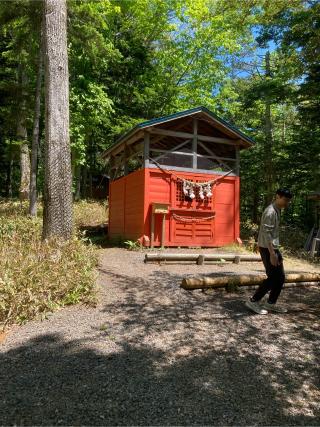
x=152, y=353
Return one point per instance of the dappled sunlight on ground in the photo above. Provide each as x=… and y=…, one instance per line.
x=152, y=353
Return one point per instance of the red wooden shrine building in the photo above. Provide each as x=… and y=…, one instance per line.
x=174, y=181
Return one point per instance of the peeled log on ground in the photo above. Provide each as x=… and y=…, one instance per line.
x=242, y=280
x=204, y=257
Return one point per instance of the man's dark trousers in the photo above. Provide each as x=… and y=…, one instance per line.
x=275, y=277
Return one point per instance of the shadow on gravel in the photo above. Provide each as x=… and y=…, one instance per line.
x=224, y=378
x=48, y=382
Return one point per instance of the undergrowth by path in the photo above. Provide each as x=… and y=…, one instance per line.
x=38, y=277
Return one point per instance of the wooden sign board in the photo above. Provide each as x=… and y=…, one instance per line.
x=160, y=208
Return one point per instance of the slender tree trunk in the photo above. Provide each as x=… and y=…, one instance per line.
x=57, y=216
x=255, y=206
x=25, y=172
x=268, y=139
x=284, y=131
x=35, y=134
x=9, y=177
x=22, y=137
x=84, y=182
x=77, y=195
x=90, y=185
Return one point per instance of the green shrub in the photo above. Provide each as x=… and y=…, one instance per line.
x=37, y=277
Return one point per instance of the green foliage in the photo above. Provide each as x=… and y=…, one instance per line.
x=133, y=60
x=118, y=241
x=132, y=245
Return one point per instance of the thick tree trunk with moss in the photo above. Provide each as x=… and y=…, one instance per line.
x=57, y=217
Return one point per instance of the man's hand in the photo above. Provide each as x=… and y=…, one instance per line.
x=274, y=259
x=273, y=256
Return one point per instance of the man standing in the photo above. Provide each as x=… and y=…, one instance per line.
x=268, y=242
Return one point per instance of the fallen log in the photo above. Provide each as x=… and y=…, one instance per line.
x=201, y=258
x=242, y=280
x=293, y=284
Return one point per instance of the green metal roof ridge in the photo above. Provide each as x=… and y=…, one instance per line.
x=234, y=128
x=177, y=115
x=170, y=116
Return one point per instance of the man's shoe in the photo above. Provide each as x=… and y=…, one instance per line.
x=256, y=307
x=275, y=308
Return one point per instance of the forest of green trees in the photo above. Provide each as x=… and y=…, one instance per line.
x=255, y=63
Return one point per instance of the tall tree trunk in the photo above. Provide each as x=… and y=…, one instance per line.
x=255, y=205
x=9, y=177
x=57, y=215
x=25, y=172
x=35, y=133
x=77, y=194
x=90, y=185
x=268, y=139
x=84, y=182
x=22, y=137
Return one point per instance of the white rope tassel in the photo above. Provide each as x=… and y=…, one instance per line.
x=208, y=190
x=189, y=189
x=191, y=193
x=184, y=188
x=201, y=192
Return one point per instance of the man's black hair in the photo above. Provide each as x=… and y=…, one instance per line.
x=284, y=192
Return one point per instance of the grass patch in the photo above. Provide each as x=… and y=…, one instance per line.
x=235, y=248
x=38, y=277
x=90, y=212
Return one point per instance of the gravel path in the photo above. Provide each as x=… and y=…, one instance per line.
x=153, y=354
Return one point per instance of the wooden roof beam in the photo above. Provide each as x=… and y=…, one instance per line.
x=116, y=150
x=205, y=138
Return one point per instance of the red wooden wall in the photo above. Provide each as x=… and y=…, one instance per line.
x=126, y=206
x=131, y=198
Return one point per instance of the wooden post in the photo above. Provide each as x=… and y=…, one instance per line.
x=314, y=246
x=309, y=239
x=152, y=229
x=125, y=158
x=200, y=260
x=163, y=231
x=195, y=144
x=111, y=168
x=146, y=149
x=237, y=161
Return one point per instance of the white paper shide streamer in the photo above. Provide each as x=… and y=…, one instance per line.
x=190, y=188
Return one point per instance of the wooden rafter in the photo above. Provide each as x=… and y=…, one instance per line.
x=194, y=143
x=183, y=153
x=205, y=138
x=213, y=155
x=173, y=150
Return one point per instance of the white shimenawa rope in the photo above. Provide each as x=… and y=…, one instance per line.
x=191, y=219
